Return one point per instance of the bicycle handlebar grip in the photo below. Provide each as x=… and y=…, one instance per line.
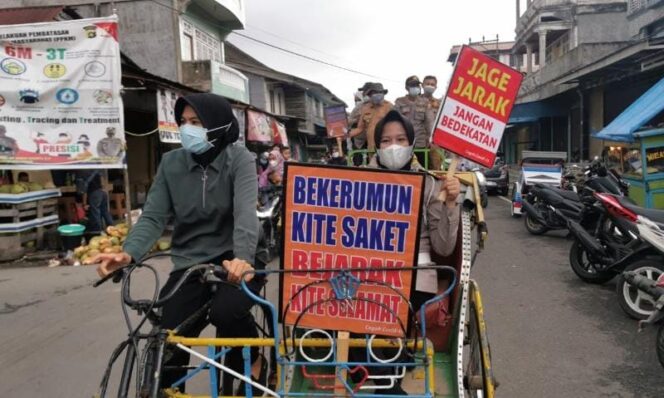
x=116, y=275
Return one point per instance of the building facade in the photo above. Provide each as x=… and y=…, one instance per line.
x=300, y=103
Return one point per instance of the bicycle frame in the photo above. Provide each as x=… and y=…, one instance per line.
x=322, y=377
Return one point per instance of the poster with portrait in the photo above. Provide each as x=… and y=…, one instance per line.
x=168, y=127
x=60, y=104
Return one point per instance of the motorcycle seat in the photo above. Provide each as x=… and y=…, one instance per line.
x=651, y=214
x=570, y=195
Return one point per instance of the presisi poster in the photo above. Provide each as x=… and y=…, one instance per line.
x=336, y=218
x=60, y=104
x=477, y=107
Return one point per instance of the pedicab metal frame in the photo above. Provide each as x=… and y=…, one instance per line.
x=467, y=295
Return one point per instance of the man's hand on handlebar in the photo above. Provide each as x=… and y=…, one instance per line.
x=110, y=262
x=236, y=267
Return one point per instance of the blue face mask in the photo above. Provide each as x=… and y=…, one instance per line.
x=194, y=138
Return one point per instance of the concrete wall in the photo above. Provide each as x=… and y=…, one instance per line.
x=257, y=91
x=146, y=34
x=642, y=18
x=602, y=28
x=595, y=120
x=542, y=84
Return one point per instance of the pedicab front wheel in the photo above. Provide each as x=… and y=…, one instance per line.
x=478, y=375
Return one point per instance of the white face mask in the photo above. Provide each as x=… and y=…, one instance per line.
x=429, y=89
x=395, y=156
x=413, y=91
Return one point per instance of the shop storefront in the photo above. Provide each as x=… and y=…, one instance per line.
x=641, y=155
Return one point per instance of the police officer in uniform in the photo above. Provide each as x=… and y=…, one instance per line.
x=415, y=108
x=429, y=85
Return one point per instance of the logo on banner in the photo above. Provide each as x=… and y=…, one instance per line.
x=94, y=69
x=12, y=66
x=66, y=96
x=90, y=31
x=55, y=71
x=28, y=96
x=103, y=97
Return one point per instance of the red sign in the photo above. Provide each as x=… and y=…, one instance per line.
x=338, y=218
x=336, y=121
x=477, y=107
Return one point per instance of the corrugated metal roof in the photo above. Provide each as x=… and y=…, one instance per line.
x=14, y=16
x=635, y=116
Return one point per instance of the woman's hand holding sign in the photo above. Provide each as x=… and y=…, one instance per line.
x=449, y=191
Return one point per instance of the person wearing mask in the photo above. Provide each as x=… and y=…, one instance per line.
x=361, y=98
x=414, y=107
x=209, y=188
x=429, y=86
x=394, y=140
x=370, y=114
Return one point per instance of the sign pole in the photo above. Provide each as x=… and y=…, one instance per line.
x=127, y=196
x=342, y=356
x=450, y=173
x=340, y=145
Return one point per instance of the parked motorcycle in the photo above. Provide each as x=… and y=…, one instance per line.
x=598, y=254
x=269, y=218
x=649, y=264
x=654, y=289
x=542, y=214
x=548, y=208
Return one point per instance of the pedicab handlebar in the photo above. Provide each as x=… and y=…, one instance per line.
x=211, y=273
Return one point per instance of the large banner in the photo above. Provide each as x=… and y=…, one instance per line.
x=477, y=107
x=168, y=128
x=60, y=105
x=338, y=218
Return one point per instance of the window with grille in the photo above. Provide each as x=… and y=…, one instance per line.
x=199, y=45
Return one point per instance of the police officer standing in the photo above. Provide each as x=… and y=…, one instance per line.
x=415, y=108
x=429, y=85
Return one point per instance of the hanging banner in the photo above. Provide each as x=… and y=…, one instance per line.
x=258, y=127
x=168, y=128
x=60, y=104
x=338, y=218
x=264, y=128
x=477, y=107
x=336, y=121
x=241, y=122
x=279, y=133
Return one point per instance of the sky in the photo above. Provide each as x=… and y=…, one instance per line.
x=387, y=39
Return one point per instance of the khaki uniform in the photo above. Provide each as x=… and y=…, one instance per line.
x=354, y=117
x=416, y=110
x=370, y=115
x=437, y=154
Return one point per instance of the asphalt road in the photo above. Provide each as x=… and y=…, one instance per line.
x=551, y=335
